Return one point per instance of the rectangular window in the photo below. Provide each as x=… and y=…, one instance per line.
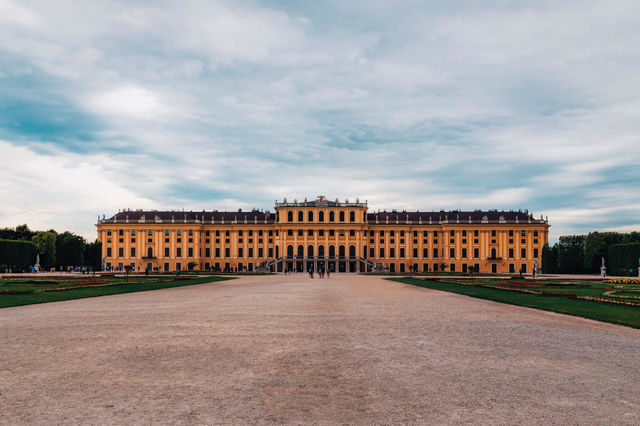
x=415, y=252
x=290, y=232
x=108, y=231
x=523, y=253
x=166, y=252
x=207, y=252
x=250, y=233
x=352, y=233
x=179, y=231
x=392, y=233
x=535, y=233
x=523, y=233
x=227, y=252
x=425, y=252
x=402, y=233
x=217, y=251
x=493, y=232
x=392, y=252
x=435, y=253
x=240, y=252
x=271, y=233
x=452, y=253
x=150, y=232
x=435, y=267
x=227, y=233
x=511, y=253
x=310, y=232
x=120, y=252
x=382, y=233
x=381, y=251
x=475, y=233
x=321, y=232
x=452, y=267
x=270, y=252
x=435, y=233
x=133, y=252
x=121, y=232
x=178, y=252
x=401, y=252
x=535, y=253
x=190, y=232
x=217, y=232
x=476, y=253
x=260, y=252
x=332, y=232
x=424, y=234
x=250, y=251
x=511, y=232
x=207, y=233
x=464, y=233
x=464, y=253
x=300, y=232
x=133, y=232
x=415, y=233
x=372, y=252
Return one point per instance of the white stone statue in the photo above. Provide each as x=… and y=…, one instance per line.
x=603, y=269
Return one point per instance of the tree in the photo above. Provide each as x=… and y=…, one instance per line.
x=69, y=249
x=45, y=243
x=128, y=269
x=596, y=245
x=571, y=254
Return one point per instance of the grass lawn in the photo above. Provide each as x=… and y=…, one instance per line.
x=617, y=314
x=68, y=292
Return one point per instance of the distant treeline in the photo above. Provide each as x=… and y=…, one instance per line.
x=20, y=245
x=582, y=254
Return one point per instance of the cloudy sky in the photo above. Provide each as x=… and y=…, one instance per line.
x=407, y=104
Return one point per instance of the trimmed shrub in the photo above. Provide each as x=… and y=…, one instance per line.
x=622, y=258
x=20, y=254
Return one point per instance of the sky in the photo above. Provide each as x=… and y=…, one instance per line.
x=417, y=105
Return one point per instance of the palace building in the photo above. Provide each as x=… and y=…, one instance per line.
x=333, y=235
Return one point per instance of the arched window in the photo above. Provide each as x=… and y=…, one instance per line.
x=320, y=251
x=300, y=251
x=321, y=216
x=289, y=251
x=352, y=217
x=332, y=217
x=290, y=216
x=341, y=216
x=150, y=252
x=300, y=216
x=310, y=215
x=310, y=251
x=341, y=251
x=352, y=251
x=332, y=251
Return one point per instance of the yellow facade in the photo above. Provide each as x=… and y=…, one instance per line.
x=339, y=236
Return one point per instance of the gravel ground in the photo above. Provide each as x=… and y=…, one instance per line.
x=287, y=349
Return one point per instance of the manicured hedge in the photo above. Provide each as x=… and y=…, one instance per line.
x=623, y=257
x=19, y=254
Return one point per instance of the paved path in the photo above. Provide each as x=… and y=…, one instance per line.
x=352, y=349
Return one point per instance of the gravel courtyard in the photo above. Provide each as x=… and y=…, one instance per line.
x=287, y=349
